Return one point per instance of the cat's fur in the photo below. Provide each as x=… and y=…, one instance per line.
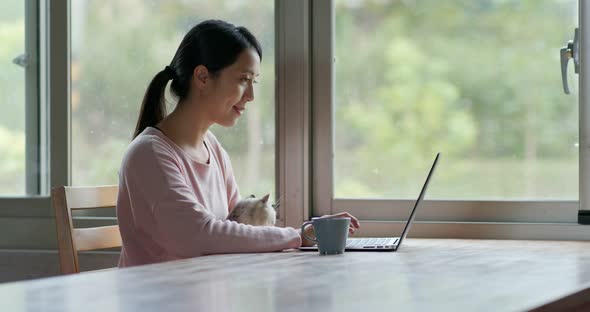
x=254, y=211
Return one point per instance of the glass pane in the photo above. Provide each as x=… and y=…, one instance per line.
x=118, y=47
x=478, y=81
x=12, y=98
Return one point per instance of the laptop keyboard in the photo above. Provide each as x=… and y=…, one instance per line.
x=370, y=241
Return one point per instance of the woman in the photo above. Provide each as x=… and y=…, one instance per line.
x=176, y=184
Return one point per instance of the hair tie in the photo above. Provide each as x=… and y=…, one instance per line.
x=170, y=71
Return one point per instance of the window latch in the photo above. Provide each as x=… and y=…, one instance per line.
x=21, y=60
x=570, y=51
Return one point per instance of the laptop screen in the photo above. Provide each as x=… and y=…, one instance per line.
x=420, y=197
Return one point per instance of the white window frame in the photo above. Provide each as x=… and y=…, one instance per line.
x=437, y=218
x=292, y=63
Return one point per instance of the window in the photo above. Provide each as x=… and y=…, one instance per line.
x=477, y=81
x=21, y=160
x=481, y=85
x=71, y=110
x=117, y=48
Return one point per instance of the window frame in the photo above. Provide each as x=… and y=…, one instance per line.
x=291, y=19
x=34, y=214
x=447, y=212
x=35, y=167
x=304, y=69
x=33, y=174
x=47, y=76
x=292, y=94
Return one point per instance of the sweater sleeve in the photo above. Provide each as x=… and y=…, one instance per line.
x=183, y=227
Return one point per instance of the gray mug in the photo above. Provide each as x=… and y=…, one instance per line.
x=331, y=234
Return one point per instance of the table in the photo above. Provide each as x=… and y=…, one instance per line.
x=424, y=275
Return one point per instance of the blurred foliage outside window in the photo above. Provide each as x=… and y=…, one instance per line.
x=477, y=80
x=12, y=98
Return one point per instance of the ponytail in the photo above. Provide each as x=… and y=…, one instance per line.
x=153, y=107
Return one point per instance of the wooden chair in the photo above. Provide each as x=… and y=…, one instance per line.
x=71, y=240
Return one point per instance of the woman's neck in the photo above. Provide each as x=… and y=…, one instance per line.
x=186, y=128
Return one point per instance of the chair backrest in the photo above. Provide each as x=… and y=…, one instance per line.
x=71, y=240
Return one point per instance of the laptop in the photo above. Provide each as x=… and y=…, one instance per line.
x=386, y=243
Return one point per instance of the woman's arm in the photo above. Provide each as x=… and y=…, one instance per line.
x=183, y=226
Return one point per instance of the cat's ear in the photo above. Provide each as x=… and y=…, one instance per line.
x=265, y=198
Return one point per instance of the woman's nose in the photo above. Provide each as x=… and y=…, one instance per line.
x=249, y=95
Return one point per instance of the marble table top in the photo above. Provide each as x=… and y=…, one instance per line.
x=424, y=275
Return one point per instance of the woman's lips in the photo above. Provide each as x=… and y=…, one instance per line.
x=239, y=110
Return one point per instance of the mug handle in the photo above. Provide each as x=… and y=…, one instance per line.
x=303, y=231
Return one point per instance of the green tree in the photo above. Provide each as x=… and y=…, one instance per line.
x=477, y=80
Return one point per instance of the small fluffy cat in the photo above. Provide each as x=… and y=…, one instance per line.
x=254, y=211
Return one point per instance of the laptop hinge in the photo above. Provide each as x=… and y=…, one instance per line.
x=583, y=216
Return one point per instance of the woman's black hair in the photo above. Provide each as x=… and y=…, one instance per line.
x=214, y=44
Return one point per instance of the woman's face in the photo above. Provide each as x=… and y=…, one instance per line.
x=233, y=88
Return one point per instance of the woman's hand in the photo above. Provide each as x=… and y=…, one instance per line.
x=309, y=233
x=354, y=224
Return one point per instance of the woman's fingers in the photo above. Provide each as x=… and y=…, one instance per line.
x=353, y=221
x=351, y=228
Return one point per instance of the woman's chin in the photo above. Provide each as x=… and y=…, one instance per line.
x=228, y=123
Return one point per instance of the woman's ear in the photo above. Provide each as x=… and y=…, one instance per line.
x=201, y=76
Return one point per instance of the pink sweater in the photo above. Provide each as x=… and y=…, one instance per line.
x=172, y=207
